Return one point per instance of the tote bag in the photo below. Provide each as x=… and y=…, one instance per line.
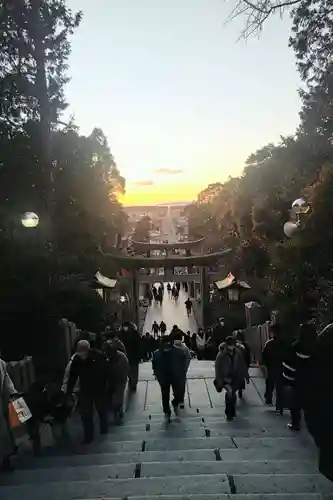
x=19, y=412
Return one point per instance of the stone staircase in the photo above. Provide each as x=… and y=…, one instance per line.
x=199, y=456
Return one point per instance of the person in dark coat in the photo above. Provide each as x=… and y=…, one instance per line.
x=113, y=336
x=7, y=444
x=159, y=297
x=91, y=368
x=200, y=347
x=169, y=367
x=175, y=331
x=134, y=348
x=155, y=328
x=194, y=342
x=272, y=357
x=147, y=346
x=118, y=369
x=163, y=328
x=188, y=306
x=245, y=348
x=318, y=409
x=295, y=372
x=230, y=372
x=187, y=340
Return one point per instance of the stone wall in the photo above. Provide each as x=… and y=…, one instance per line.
x=256, y=337
x=22, y=373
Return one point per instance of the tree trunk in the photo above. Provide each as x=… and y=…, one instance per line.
x=41, y=91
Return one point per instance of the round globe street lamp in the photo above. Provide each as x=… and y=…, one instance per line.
x=30, y=220
x=298, y=208
x=290, y=228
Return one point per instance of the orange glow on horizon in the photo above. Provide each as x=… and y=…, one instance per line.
x=154, y=195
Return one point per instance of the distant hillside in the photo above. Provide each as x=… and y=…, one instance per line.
x=177, y=204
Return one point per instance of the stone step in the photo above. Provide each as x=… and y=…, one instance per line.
x=270, y=421
x=198, y=431
x=243, y=411
x=109, y=445
x=198, y=455
x=159, y=469
x=223, y=496
x=172, y=485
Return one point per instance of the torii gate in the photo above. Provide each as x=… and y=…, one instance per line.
x=135, y=265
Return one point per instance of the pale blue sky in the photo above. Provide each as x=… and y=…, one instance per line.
x=171, y=87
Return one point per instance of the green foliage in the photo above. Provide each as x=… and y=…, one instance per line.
x=312, y=38
x=254, y=208
x=71, y=181
x=34, y=50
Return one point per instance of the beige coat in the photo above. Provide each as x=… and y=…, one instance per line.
x=7, y=389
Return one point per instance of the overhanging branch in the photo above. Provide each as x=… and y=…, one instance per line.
x=257, y=12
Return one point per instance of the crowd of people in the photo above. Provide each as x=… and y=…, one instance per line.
x=173, y=289
x=96, y=376
x=95, y=379
x=204, y=344
x=298, y=373
x=301, y=374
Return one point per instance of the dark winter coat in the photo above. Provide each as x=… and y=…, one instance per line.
x=133, y=345
x=230, y=370
x=91, y=372
x=163, y=327
x=7, y=390
x=170, y=364
x=318, y=408
x=296, y=365
x=273, y=355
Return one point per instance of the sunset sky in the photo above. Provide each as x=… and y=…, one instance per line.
x=181, y=101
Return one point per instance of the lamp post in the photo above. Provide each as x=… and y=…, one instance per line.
x=299, y=209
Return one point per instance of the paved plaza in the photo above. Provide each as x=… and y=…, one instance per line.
x=171, y=312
